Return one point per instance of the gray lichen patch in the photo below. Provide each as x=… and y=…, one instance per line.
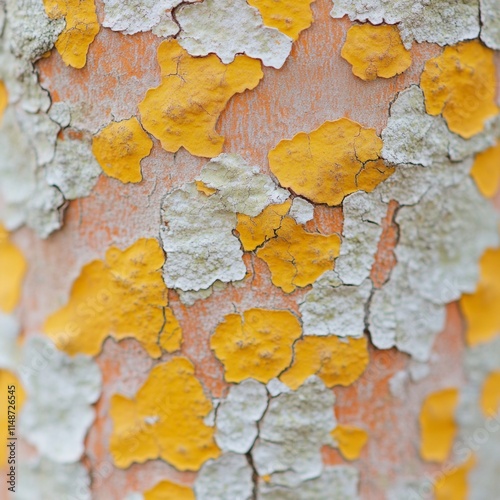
x=332, y=308
x=238, y=414
x=445, y=22
x=74, y=169
x=27, y=196
x=335, y=483
x=490, y=23
x=234, y=28
x=414, y=137
x=441, y=241
x=198, y=228
x=294, y=428
x=61, y=391
x=363, y=215
x=301, y=210
x=141, y=15
x=44, y=479
x=229, y=477
x=30, y=32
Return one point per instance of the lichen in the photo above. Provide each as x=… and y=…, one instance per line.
x=295, y=257
x=12, y=269
x=460, y=84
x=438, y=427
x=334, y=360
x=235, y=28
x=80, y=30
x=60, y=393
x=444, y=22
x=164, y=420
x=175, y=117
x=122, y=296
x=119, y=148
x=375, y=51
x=325, y=165
x=256, y=344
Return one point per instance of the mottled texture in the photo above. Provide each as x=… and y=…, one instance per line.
x=61, y=391
x=293, y=429
x=198, y=232
x=234, y=28
x=445, y=22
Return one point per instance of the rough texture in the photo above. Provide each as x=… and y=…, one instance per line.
x=460, y=84
x=257, y=344
x=235, y=27
x=61, y=390
x=122, y=296
x=192, y=125
x=332, y=308
x=238, y=414
x=296, y=258
x=445, y=22
x=375, y=51
x=363, y=214
x=490, y=23
x=227, y=478
x=289, y=16
x=198, y=233
x=74, y=169
x=292, y=432
x=80, y=30
x=325, y=165
x=334, y=360
x=46, y=479
x=334, y=483
x=164, y=420
x=141, y=15
x=431, y=268
x=120, y=147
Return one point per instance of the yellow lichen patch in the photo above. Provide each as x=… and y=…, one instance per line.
x=453, y=485
x=335, y=160
x=375, y=51
x=253, y=231
x=12, y=271
x=336, y=361
x=4, y=99
x=171, y=335
x=437, y=425
x=203, y=188
x=289, y=16
x=122, y=296
x=119, y=149
x=167, y=490
x=486, y=171
x=164, y=420
x=351, y=440
x=481, y=307
x=183, y=111
x=13, y=392
x=81, y=28
x=297, y=258
x=490, y=394
x=256, y=345
x=460, y=84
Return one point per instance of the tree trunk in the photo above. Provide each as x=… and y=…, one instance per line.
x=249, y=249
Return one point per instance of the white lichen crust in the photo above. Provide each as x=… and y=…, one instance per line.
x=61, y=391
x=234, y=28
x=198, y=229
x=445, y=22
